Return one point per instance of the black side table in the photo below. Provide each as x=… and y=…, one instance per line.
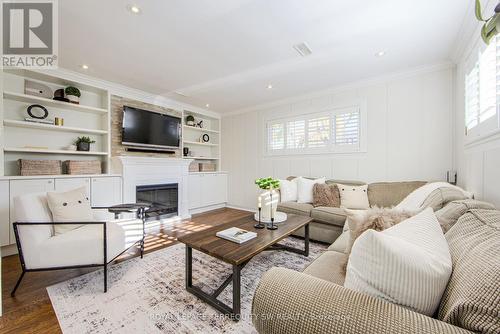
x=140, y=213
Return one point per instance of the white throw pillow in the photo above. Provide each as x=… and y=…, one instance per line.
x=353, y=197
x=305, y=189
x=408, y=264
x=288, y=190
x=69, y=206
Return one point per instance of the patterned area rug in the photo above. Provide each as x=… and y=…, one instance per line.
x=149, y=296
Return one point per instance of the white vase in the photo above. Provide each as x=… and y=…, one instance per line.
x=73, y=99
x=269, y=202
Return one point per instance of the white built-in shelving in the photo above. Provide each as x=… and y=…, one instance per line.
x=200, y=150
x=29, y=140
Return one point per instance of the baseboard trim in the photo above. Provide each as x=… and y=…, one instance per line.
x=236, y=207
x=9, y=250
x=207, y=208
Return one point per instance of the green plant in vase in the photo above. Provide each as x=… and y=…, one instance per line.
x=73, y=94
x=83, y=143
x=269, y=197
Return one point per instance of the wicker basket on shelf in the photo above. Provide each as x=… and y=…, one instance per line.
x=81, y=167
x=207, y=167
x=194, y=167
x=39, y=167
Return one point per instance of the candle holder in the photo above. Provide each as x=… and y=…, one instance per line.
x=272, y=226
x=259, y=225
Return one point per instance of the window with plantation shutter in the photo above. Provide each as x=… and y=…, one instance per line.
x=347, y=128
x=338, y=130
x=318, y=132
x=482, y=90
x=296, y=134
x=276, y=136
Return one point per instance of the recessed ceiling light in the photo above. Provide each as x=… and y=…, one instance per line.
x=207, y=105
x=134, y=9
x=380, y=54
x=85, y=67
x=269, y=86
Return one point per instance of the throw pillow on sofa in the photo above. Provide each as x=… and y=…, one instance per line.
x=353, y=197
x=305, y=189
x=408, y=264
x=69, y=206
x=451, y=212
x=288, y=190
x=326, y=195
x=378, y=219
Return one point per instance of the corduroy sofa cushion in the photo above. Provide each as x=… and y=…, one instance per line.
x=451, y=212
x=387, y=194
x=442, y=196
x=472, y=298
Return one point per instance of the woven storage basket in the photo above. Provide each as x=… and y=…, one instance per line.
x=39, y=167
x=194, y=167
x=207, y=167
x=83, y=167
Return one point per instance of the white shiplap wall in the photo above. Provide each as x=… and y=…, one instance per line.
x=477, y=164
x=409, y=135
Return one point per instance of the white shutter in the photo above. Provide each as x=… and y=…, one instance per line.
x=347, y=126
x=296, y=134
x=482, y=88
x=276, y=136
x=318, y=132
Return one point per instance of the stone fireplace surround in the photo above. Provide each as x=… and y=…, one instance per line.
x=141, y=171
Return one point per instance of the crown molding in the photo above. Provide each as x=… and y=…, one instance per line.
x=353, y=85
x=128, y=92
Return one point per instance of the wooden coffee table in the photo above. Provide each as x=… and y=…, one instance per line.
x=238, y=255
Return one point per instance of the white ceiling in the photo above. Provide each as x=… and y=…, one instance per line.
x=226, y=52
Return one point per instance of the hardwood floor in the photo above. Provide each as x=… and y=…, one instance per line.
x=30, y=311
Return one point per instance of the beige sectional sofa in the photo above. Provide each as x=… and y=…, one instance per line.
x=315, y=301
x=329, y=221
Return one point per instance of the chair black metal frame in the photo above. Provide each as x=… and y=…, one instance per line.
x=104, y=264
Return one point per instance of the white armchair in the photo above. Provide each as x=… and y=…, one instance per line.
x=95, y=244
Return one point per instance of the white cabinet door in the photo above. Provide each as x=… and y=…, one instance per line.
x=73, y=183
x=208, y=189
x=4, y=214
x=221, y=188
x=23, y=187
x=194, y=191
x=106, y=191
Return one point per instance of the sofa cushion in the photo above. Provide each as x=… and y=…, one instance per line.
x=296, y=208
x=328, y=215
x=442, y=196
x=387, y=194
x=328, y=267
x=452, y=211
x=305, y=189
x=326, y=195
x=326, y=233
x=472, y=300
x=353, y=197
x=288, y=190
x=340, y=245
x=408, y=264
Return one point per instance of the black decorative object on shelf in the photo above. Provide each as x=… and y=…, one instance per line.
x=205, y=138
x=59, y=95
x=185, y=150
x=45, y=112
x=200, y=124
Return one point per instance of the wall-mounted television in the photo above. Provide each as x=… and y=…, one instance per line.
x=143, y=128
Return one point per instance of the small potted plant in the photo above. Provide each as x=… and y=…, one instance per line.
x=269, y=196
x=190, y=120
x=83, y=143
x=73, y=94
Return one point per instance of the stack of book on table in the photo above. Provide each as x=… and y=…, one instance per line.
x=236, y=234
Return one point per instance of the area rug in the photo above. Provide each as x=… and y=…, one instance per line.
x=149, y=296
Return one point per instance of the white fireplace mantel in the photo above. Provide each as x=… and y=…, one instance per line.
x=140, y=171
